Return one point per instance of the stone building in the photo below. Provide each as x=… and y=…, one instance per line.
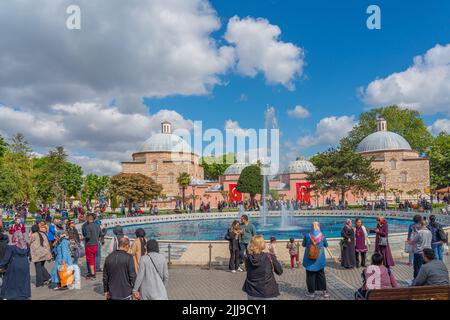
x=403, y=169
x=163, y=157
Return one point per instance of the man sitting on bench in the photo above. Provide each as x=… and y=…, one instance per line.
x=433, y=272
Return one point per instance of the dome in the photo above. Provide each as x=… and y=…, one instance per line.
x=166, y=141
x=236, y=168
x=383, y=140
x=301, y=165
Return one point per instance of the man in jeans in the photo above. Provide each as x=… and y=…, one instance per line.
x=91, y=233
x=119, y=273
x=437, y=243
x=248, y=230
x=420, y=239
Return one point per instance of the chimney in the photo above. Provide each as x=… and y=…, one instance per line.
x=166, y=127
x=381, y=124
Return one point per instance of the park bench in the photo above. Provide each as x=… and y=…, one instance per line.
x=411, y=293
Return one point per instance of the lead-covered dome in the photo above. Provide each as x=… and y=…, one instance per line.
x=300, y=165
x=236, y=168
x=166, y=141
x=382, y=140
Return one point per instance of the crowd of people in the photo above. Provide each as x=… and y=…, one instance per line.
x=138, y=271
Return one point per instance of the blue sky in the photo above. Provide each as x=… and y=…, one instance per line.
x=342, y=55
x=218, y=62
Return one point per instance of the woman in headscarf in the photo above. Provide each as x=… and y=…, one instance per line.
x=382, y=243
x=16, y=281
x=139, y=247
x=362, y=243
x=40, y=253
x=62, y=256
x=314, y=261
x=153, y=275
x=233, y=235
x=348, y=258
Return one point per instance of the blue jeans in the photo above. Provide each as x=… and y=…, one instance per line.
x=98, y=258
x=242, y=251
x=438, y=250
x=418, y=262
x=411, y=257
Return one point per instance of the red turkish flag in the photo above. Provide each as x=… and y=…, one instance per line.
x=303, y=191
x=234, y=194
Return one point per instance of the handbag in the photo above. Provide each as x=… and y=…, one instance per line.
x=383, y=242
x=66, y=276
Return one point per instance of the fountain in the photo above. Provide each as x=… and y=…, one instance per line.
x=263, y=210
x=286, y=223
x=241, y=210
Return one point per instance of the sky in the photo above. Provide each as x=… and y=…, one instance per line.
x=101, y=91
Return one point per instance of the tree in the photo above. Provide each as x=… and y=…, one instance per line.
x=274, y=195
x=56, y=170
x=3, y=146
x=72, y=179
x=94, y=186
x=183, y=180
x=250, y=181
x=134, y=187
x=405, y=122
x=439, y=154
x=215, y=166
x=342, y=170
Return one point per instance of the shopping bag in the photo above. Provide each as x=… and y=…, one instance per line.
x=66, y=276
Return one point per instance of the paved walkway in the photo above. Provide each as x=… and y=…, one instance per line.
x=196, y=283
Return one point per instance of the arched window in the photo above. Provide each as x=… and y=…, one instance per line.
x=154, y=166
x=393, y=164
x=170, y=178
x=404, y=177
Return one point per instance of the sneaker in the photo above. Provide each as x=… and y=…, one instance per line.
x=240, y=269
x=233, y=271
x=310, y=295
x=326, y=295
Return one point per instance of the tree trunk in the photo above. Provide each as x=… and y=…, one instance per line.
x=183, y=191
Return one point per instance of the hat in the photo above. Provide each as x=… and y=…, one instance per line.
x=99, y=222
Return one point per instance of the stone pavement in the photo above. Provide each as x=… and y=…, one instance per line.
x=196, y=283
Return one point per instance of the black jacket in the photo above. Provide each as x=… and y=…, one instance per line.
x=260, y=281
x=233, y=240
x=3, y=244
x=91, y=233
x=119, y=275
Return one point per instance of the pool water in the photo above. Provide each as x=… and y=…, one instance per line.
x=215, y=229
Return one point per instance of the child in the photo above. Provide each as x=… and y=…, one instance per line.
x=292, y=246
x=272, y=246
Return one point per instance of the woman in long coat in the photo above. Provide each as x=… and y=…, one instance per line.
x=16, y=281
x=348, y=258
x=40, y=253
x=382, y=243
x=233, y=238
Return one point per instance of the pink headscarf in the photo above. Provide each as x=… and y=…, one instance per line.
x=315, y=234
x=19, y=241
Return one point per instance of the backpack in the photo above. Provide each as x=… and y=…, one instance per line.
x=313, y=252
x=441, y=235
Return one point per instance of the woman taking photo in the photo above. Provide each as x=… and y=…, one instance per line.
x=260, y=283
x=139, y=247
x=40, y=253
x=153, y=275
x=233, y=236
x=75, y=246
x=382, y=243
x=314, y=261
x=348, y=260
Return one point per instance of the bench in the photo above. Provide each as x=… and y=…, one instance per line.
x=411, y=293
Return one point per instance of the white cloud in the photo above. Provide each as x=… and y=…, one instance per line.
x=234, y=128
x=329, y=131
x=299, y=112
x=425, y=86
x=96, y=166
x=258, y=49
x=124, y=50
x=87, y=128
x=440, y=125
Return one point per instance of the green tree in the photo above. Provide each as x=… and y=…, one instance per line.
x=250, y=181
x=183, y=180
x=274, y=195
x=56, y=170
x=72, y=179
x=342, y=170
x=3, y=146
x=94, y=186
x=215, y=166
x=134, y=187
x=405, y=122
x=439, y=154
